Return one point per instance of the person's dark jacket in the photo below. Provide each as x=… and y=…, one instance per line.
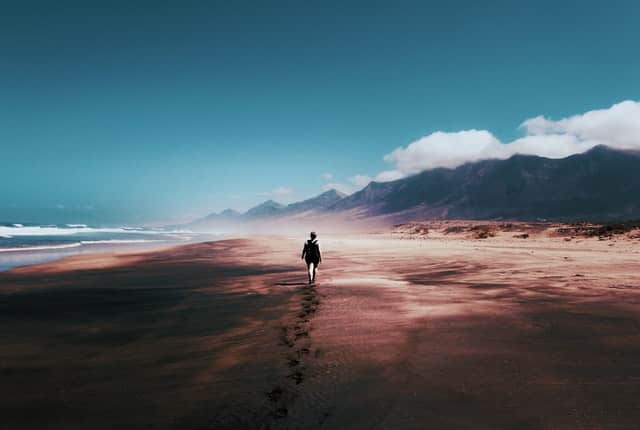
x=311, y=252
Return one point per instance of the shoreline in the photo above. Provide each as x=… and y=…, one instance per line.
x=19, y=257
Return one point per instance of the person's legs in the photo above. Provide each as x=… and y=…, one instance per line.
x=311, y=269
x=315, y=267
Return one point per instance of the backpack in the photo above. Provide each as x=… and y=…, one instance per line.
x=313, y=251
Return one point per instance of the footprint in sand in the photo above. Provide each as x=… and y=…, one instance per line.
x=284, y=337
x=280, y=413
x=275, y=394
x=302, y=334
x=293, y=362
x=297, y=376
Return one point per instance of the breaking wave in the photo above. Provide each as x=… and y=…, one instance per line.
x=68, y=229
x=78, y=244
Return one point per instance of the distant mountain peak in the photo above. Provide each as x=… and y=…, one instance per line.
x=225, y=215
x=320, y=202
x=270, y=202
x=333, y=192
x=272, y=208
x=266, y=208
x=229, y=213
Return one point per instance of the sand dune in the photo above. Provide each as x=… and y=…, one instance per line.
x=414, y=328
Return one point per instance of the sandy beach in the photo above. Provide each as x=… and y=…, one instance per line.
x=424, y=326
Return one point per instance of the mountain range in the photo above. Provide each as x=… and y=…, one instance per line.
x=600, y=184
x=271, y=209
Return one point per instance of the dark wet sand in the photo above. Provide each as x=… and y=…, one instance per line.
x=397, y=334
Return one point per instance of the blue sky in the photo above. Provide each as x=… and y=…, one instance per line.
x=160, y=111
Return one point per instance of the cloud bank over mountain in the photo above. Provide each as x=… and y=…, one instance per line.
x=617, y=127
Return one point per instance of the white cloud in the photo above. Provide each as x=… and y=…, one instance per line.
x=355, y=183
x=338, y=186
x=389, y=175
x=360, y=181
x=617, y=126
x=442, y=149
x=327, y=176
x=545, y=145
x=282, y=191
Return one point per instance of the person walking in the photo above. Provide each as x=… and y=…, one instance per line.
x=311, y=255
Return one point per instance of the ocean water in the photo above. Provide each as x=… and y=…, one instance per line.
x=25, y=244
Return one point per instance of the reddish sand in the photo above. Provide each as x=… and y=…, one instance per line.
x=439, y=332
